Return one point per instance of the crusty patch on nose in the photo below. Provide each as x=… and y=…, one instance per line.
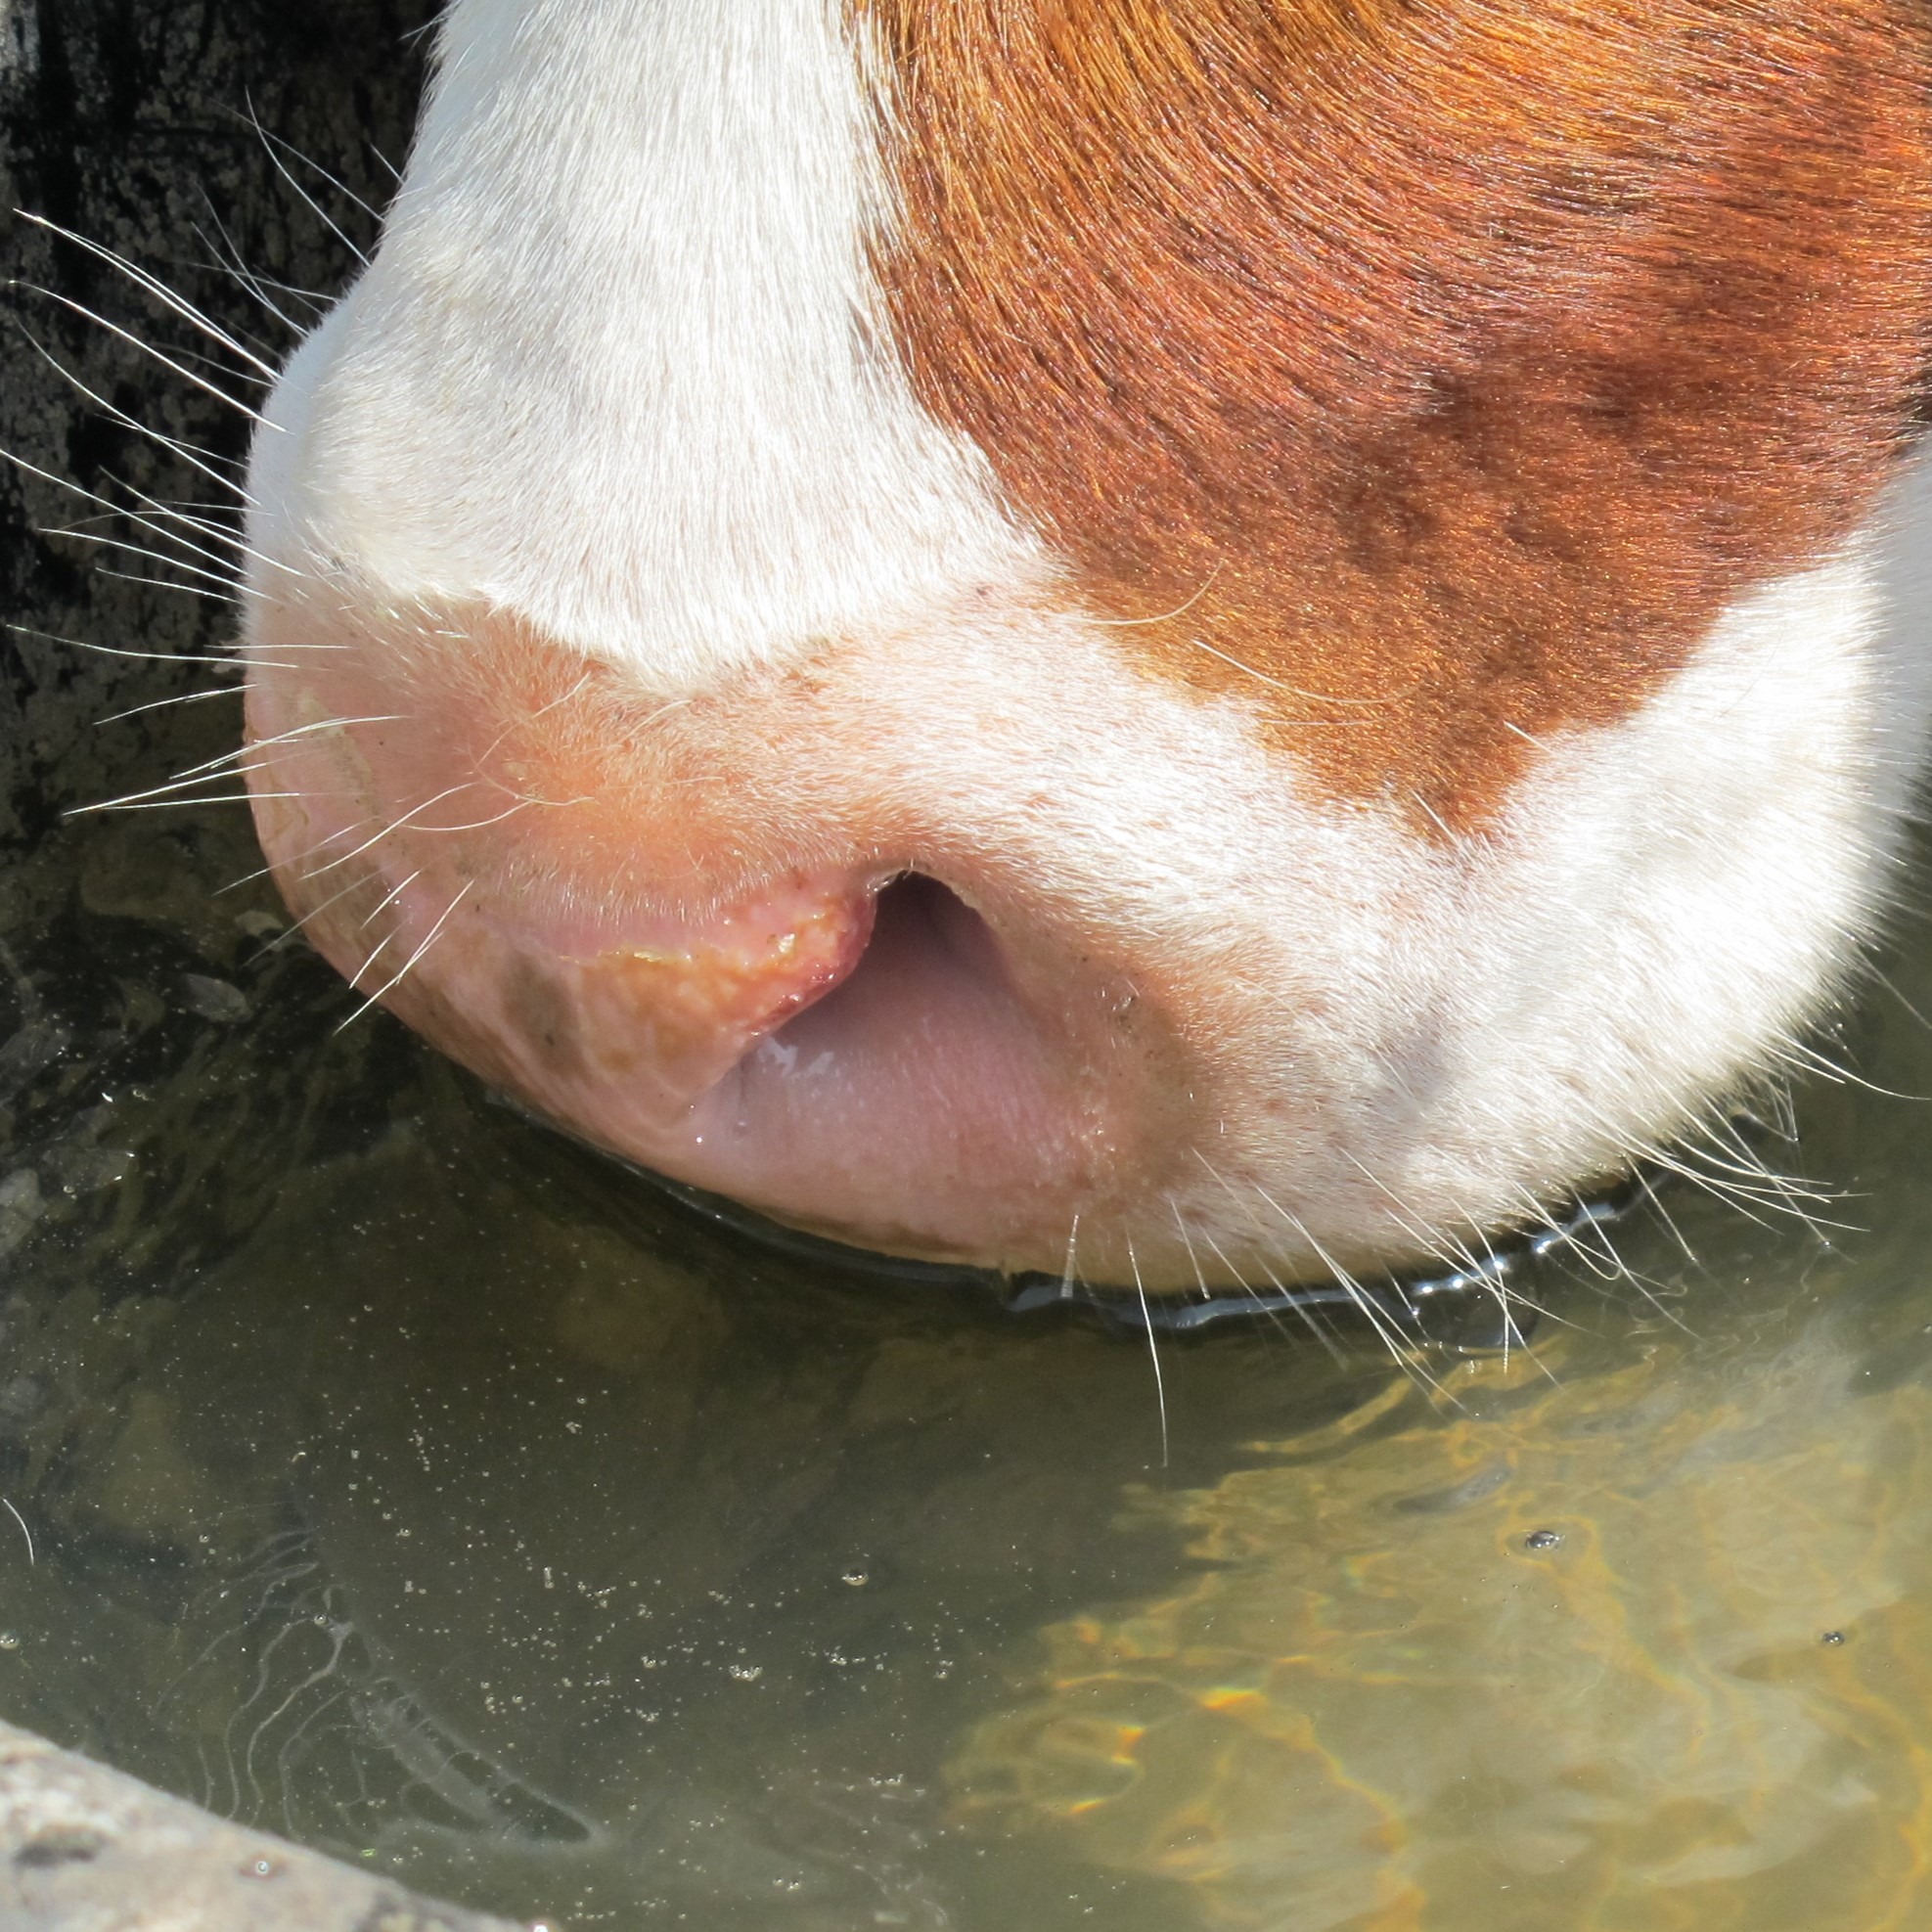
x=544, y=1014
x=1433, y=374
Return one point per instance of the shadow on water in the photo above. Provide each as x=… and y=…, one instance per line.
x=404, y=1479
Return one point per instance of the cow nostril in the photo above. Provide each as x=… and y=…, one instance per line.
x=915, y=912
x=929, y=961
x=935, y=1101
x=914, y=894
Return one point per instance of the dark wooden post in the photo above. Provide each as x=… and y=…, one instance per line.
x=155, y=128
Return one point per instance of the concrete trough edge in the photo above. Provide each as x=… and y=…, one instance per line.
x=86, y=1849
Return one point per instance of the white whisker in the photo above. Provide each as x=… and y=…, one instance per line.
x=154, y=287
x=1310, y=1316
x=283, y=937
x=1295, y=691
x=1254, y=1294
x=395, y=824
x=230, y=584
x=1663, y=1214
x=225, y=763
x=1405, y=1358
x=162, y=524
x=127, y=336
x=309, y=161
x=390, y=985
x=228, y=664
x=1807, y=1060
x=170, y=516
x=510, y=811
x=1154, y=1349
x=1891, y=986
x=168, y=704
x=294, y=859
x=25, y=1531
x=200, y=460
x=1186, y=1242
x=163, y=583
x=1068, y=1273
x=315, y=207
x=232, y=265
x=186, y=804
x=390, y=896
x=214, y=528
x=1617, y=1269
x=1165, y=617
x=1307, y=1314
x=376, y=952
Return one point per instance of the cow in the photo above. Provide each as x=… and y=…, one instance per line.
x=1191, y=641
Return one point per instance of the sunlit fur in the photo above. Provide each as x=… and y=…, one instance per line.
x=1453, y=366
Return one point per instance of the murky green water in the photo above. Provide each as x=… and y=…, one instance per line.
x=401, y=1478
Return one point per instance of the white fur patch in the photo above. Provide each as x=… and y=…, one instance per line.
x=619, y=365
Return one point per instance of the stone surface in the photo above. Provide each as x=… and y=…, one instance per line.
x=84, y=1849
x=190, y=136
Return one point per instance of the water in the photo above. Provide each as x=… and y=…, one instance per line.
x=404, y=1479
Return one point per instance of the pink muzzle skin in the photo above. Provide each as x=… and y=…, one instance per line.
x=836, y=1041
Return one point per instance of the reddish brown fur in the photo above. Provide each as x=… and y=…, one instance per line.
x=1451, y=363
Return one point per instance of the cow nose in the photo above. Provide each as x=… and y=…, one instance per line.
x=680, y=942
x=622, y=1018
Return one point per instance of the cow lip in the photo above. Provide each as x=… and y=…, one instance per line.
x=852, y=1057
x=914, y=1102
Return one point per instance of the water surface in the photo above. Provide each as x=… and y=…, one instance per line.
x=404, y=1479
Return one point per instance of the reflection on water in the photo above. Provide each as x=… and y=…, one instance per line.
x=407, y=1481
x=1643, y=1648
